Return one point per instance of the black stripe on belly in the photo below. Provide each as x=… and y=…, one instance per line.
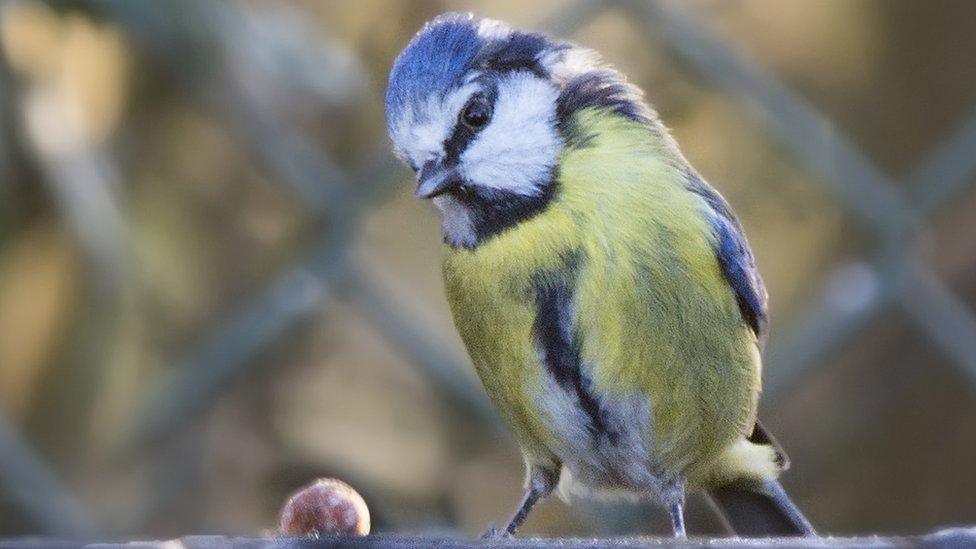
x=560, y=349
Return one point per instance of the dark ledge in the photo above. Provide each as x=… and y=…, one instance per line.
x=949, y=538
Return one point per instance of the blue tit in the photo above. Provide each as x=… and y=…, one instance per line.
x=604, y=291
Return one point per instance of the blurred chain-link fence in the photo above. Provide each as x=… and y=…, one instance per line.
x=266, y=57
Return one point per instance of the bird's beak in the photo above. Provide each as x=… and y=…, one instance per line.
x=436, y=179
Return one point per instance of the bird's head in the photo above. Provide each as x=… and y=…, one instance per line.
x=478, y=111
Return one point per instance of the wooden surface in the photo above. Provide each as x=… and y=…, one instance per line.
x=948, y=538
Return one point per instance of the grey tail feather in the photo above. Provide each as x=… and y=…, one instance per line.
x=760, y=510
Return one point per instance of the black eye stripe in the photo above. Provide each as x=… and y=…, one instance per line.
x=463, y=134
x=457, y=143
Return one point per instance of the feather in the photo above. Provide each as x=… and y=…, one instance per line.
x=735, y=258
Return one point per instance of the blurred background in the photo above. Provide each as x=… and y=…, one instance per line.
x=215, y=284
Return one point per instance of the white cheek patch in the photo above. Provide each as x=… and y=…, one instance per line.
x=518, y=149
x=420, y=133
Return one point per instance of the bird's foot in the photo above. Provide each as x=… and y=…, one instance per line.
x=494, y=534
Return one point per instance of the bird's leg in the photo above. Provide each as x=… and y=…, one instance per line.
x=678, y=520
x=542, y=481
x=673, y=496
x=529, y=500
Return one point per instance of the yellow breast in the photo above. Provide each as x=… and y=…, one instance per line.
x=654, y=313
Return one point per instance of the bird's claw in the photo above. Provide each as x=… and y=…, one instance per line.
x=494, y=534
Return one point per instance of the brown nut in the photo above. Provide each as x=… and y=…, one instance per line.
x=325, y=507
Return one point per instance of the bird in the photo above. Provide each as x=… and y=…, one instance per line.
x=605, y=293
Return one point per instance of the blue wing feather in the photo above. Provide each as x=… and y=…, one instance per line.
x=735, y=258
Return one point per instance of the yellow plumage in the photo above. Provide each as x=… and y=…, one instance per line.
x=655, y=318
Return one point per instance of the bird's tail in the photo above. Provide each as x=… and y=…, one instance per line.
x=760, y=509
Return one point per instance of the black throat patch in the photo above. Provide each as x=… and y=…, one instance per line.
x=493, y=211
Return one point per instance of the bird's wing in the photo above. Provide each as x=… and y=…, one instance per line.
x=735, y=258
x=739, y=268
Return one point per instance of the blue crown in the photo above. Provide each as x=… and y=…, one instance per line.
x=435, y=59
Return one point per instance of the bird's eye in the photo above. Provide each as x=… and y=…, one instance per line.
x=476, y=113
